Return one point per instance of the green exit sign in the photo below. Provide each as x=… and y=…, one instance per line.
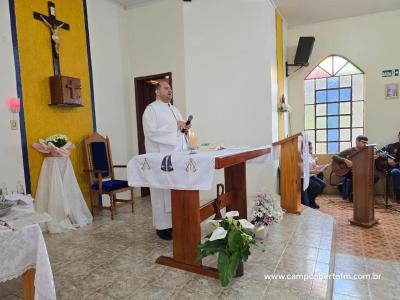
x=390, y=73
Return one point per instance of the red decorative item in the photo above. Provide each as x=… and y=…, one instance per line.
x=14, y=104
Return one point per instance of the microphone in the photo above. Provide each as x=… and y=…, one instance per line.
x=189, y=120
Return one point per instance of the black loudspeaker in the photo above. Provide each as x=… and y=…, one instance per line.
x=304, y=49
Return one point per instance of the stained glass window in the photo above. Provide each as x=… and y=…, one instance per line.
x=334, y=104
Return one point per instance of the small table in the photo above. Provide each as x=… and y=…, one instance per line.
x=23, y=252
x=59, y=195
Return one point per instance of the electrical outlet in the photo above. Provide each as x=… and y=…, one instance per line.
x=14, y=124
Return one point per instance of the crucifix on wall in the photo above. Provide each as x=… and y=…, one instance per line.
x=65, y=91
x=54, y=26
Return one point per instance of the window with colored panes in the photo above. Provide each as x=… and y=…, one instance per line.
x=334, y=104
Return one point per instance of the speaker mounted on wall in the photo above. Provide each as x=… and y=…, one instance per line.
x=303, y=53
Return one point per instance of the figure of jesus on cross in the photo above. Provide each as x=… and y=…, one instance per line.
x=54, y=33
x=54, y=26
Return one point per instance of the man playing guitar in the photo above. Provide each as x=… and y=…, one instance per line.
x=343, y=159
x=393, y=165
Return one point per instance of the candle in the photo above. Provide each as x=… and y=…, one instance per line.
x=193, y=139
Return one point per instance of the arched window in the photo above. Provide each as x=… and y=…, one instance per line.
x=334, y=104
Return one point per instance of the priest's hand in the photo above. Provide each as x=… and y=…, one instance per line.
x=181, y=124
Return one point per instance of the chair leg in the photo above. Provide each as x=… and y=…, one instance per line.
x=115, y=205
x=132, y=201
x=91, y=202
x=112, y=207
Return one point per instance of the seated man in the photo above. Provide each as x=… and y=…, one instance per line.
x=343, y=157
x=394, y=165
x=316, y=184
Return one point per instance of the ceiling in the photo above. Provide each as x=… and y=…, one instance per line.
x=299, y=12
x=130, y=3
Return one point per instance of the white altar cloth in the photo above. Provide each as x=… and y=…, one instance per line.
x=184, y=171
x=24, y=249
x=59, y=195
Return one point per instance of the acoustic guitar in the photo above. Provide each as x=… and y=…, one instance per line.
x=341, y=169
x=381, y=163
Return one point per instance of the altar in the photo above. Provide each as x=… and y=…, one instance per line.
x=186, y=174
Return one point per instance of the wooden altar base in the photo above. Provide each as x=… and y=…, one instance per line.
x=187, y=214
x=363, y=224
x=201, y=270
x=298, y=210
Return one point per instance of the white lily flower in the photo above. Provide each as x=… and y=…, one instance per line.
x=246, y=224
x=214, y=222
x=218, y=233
x=231, y=214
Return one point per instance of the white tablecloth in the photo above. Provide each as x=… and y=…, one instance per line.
x=59, y=195
x=181, y=170
x=21, y=250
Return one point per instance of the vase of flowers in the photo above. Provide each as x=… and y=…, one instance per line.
x=55, y=145
x=232, y=240
x=266, y=211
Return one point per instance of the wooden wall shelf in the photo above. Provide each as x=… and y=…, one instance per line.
x=65, y=105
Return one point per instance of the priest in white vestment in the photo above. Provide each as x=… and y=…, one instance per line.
x=163, y=126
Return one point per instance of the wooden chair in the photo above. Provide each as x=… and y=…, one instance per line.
x=101, y=173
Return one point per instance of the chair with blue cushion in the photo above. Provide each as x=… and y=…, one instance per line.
x=101, y=174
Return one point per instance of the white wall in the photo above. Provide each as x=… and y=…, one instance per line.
x=372, y=43
x=229, y=86
x=11, y=166
x=230, y=68
x=111, y=98
x=153, y=44
x=112, y=102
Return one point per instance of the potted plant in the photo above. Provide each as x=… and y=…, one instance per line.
x=266, y=211
x=231, y=239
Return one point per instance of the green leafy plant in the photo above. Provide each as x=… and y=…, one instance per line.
x=58, y=140
x=231, y=239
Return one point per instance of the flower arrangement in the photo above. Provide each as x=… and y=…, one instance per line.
x=231, y=239
x=266, y=210
x=58, y=140
x=55, y=145
x=283, y=106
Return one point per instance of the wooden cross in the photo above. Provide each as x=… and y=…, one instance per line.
x=71, y=88
x=54, y=25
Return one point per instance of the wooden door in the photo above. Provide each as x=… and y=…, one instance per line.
x=144, y=95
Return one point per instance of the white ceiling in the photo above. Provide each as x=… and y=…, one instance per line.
x=131, y=3
x=298, y=12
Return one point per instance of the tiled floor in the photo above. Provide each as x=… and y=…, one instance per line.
x=365, y=251
x=115, y=260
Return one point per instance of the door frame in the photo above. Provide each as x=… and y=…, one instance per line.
x=140, y=107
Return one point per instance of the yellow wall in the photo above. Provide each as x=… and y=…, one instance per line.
x=36, y=66
x=280, y=72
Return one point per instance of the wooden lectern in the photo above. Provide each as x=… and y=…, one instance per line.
x=187, y=213
x=290, y=185
x=363, y=187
